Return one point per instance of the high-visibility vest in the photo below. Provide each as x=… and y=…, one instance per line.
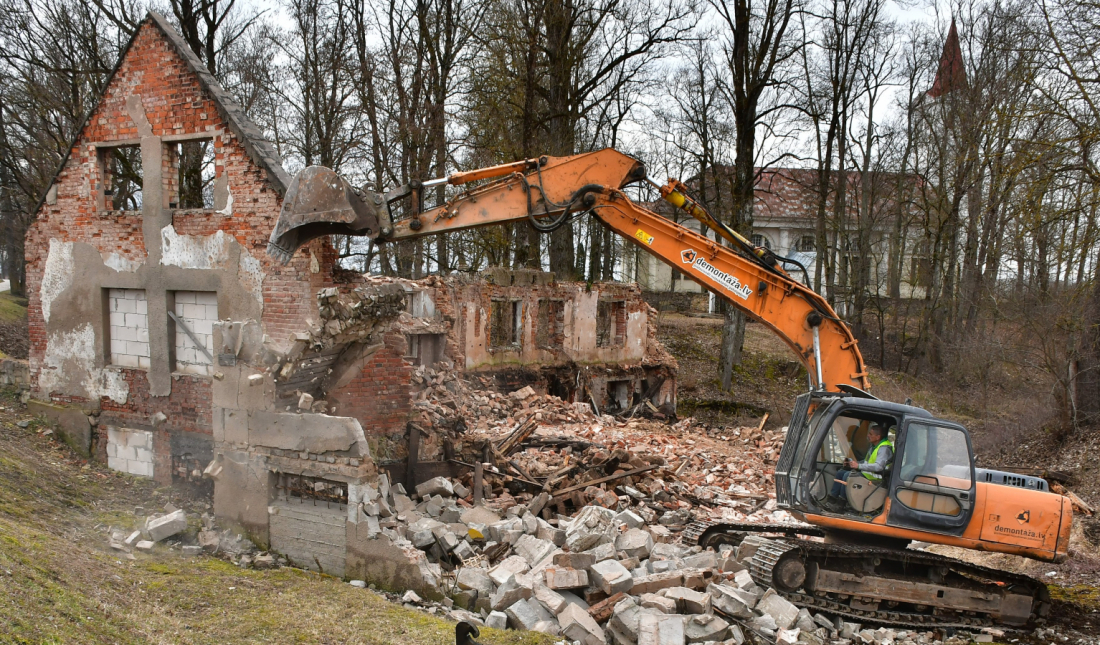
x=871, y=458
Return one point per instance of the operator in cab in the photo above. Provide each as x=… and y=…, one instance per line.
x=879, y=457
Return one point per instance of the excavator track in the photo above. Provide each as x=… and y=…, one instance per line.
x=844, y=560
x=771, y=565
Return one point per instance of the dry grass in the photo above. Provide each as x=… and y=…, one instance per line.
x=61, y=584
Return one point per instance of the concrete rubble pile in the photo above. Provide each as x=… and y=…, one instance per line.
x=602, y=576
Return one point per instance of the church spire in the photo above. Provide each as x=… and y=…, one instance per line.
x=951, y=75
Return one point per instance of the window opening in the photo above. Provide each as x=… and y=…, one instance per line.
x=310, y=490
x=806, y=244
x=610, y=323
x=760, y=240
x=122, y=177
x=195, y=174
x=551, y=325
x=505, y=319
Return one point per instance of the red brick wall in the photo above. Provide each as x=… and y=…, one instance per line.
x=188, y=407
x=381, y=395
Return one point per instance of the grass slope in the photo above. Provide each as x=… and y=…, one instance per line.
x=61, y=584
x=12, y=308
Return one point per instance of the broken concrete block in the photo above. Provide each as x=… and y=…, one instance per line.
x=132, y=538
x=825, y=622
x=661, y=630
x=521, y=615
x=704, y=560
x=461, y=491
x=553, y=535
x=787, y=636
x=145, y=545
x=706, y=627
x=848, y=630
x=192, y=550
x=658, y=603
x=532, y=549
x=402, y=503
x=687, y=600
x=553, y=601
x=550, y=627
x=657, y=581
x=781, y=609
x=305, y=402
x=448, y=541
x=157, y=529
x=636, y=543
x=523, y=393
x=530, y=524
x=538, y=503
x=667, y=551
x=695, y=578
x=630, y=518
x=497, y=620
x=577, y=625
x=435, y=486
x=602, y=552
x=764, y=622
x=479, y=515
x=463, y=551
x=611, y=577
x=508, y=567
x=574, y=560
x=517, y=587
x=422, y=539
x=729, y=564
x=724, y=599
x=805, y=620
x=558, y=578
x=475, y=578
x=410, y=596
x=743, y=579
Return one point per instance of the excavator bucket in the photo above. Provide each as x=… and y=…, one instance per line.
x=320, y=202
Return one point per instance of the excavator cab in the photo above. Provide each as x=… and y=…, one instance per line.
x=929, y=484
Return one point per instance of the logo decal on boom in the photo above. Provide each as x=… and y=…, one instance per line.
x=1024, y=517
x=731, y=283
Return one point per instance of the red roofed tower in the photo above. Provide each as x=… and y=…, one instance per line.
x=951, y=75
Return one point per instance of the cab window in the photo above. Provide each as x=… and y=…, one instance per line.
x=936, y=456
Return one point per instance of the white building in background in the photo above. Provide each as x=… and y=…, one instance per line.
x=785, y=221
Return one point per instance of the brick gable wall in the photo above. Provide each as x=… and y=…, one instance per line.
x=174, y=104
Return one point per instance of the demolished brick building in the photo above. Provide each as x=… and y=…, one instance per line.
x=167, y=343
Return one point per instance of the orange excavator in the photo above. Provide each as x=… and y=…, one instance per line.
x=863, y=568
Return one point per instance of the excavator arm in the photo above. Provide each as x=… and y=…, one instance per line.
x=550, y=191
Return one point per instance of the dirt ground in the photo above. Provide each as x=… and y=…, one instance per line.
x=61, y=583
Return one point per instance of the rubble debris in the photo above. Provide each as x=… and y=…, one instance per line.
x=158, y=528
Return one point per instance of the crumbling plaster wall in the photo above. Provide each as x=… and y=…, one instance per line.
x=472, y=302
x=76, y=250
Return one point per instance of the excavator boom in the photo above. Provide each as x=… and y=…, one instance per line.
x=548, y=191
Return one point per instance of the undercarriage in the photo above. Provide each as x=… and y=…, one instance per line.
x=887, y=586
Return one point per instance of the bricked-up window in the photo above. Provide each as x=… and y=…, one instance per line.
x=198, y=311
x=128, y=327
x=551, y=324
x=424, y=349
x=610, y=323
x=194, y=162
x=122, y=175
x=505, y=318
